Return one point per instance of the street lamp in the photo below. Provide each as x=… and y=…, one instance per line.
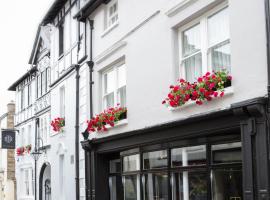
x=35, y=155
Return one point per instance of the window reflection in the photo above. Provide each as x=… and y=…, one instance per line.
x=189, y=186
x=131, y=163
x=131, y=187
x=155, y=159
x=226, y=184
x=187, y=156
x=155, y=186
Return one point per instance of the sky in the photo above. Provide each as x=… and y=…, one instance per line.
x=19, y=21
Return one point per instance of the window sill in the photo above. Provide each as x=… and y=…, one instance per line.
x=227, y=92
x=118, y=124
x=109, y=29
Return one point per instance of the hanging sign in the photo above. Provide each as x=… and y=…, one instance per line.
x=8, y=139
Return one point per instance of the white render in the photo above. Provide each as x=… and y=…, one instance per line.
x=146, y=39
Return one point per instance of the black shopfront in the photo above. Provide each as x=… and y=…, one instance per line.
x=222, y=155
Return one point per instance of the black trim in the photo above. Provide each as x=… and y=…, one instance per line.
x=26, y=75
x=71, y=68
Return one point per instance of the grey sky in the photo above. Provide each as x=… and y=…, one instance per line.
x=19, y=21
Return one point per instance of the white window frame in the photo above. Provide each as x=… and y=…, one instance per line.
x=116, y=88
x=108, y=17
x=203, y=22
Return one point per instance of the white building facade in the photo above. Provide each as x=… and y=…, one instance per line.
x=117, y=53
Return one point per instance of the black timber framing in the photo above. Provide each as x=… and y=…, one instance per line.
x=247, y=120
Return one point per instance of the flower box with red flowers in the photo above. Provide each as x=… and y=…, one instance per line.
x=207, y=87
x=58, y=124
x=108, y=118
x=20, y=151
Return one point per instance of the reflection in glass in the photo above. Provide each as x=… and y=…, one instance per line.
x=188, y=156
x=155, y=159
x=221, y=57
x=131, y=163
x=193, y=67
x=189, y=186
x=226, y=184
x=115, y=166
x=227, y=153
x=131, y=187
x=218, y=27
x=191, y=40
x=155, y=186
x=116, y=187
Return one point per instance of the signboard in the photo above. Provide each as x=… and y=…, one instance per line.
x=8, y=139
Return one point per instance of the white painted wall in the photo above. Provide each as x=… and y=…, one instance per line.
x=150, y=54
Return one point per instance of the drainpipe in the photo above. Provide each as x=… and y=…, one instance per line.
x=77, y=115
x=267, y=20
x=77, y=175
x=89, y=193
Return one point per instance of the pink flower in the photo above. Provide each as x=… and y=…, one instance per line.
x=221, y=94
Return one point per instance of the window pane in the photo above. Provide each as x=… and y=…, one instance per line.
x=155, y=186
x=218, y=27
x=122, y=96
x=193, y=67
x=130, y=187
x=227, y=153
x=109, y=79
x=221, y=57
x=121, y=76
x=116, y=188
x=191, y=40
x=188, y=156
x=156, y=159
x=109, y=100
x=115, y=166
x=131, y=163
x=189, y=185
x=227, y=184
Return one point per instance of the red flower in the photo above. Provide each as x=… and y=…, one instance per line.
x=200, y=80
x=199, y=102
x=221, y=94
x=229, y=78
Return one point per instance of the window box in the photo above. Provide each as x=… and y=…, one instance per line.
x=106, y=119
x=20, y=151
x=58, y=125
x=208, y=87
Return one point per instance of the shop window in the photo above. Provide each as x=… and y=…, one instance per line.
x=205, y=45
x=155, y=159
x=188, y=156
x=208, y=171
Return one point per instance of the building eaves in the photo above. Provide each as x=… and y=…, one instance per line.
x=34, y=49
x=53, y=11
x=88, y=9
x=26, y=75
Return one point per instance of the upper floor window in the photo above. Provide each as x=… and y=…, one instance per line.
x=61, y=39
x=112, y=13
x=205, y=45
x=43, y=82
x=114, y=86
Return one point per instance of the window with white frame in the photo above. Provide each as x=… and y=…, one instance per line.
x=62, y=102
x=114, y=86
x=26, y=182
x=112, y=13
x=205, y=45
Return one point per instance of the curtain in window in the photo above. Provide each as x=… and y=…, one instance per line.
x=218, y=41
x=193, y=67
